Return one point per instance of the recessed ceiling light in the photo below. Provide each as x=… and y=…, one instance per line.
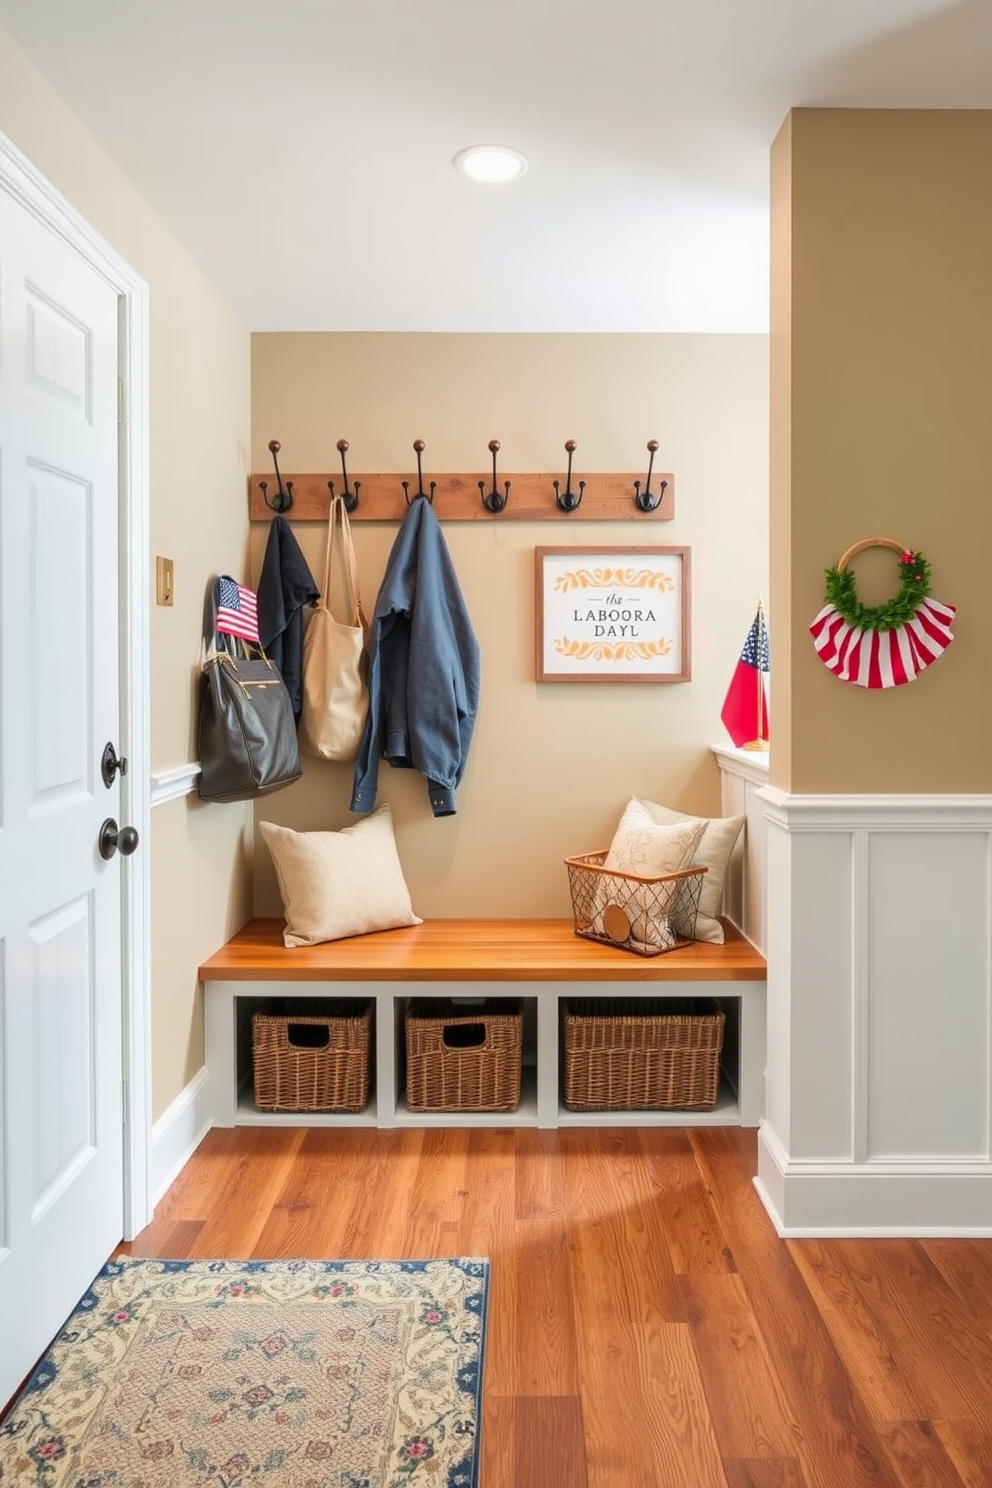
x=490, y=163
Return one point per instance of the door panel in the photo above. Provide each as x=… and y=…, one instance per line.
x=61, y=994
x=57, y=354
x=59, y=508
x=61, y=1060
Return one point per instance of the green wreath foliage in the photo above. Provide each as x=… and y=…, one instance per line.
x=914, y=586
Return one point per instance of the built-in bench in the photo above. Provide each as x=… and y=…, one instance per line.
x=540, y=961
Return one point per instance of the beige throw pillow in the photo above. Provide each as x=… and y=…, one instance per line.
x=335, y=884
x=643, y=848
x=720, y=834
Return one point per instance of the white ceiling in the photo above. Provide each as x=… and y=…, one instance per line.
x=301, y=149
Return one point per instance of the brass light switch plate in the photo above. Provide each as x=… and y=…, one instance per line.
x=163, y=581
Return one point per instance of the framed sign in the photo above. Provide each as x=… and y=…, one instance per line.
x=612, y=614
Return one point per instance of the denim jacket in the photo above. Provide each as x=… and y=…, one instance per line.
x=423, y=666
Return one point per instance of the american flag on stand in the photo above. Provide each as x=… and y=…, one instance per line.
x=237, y=610
x=745, y=708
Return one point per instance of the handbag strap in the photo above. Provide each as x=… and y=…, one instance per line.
x=233, y=647
x=338, y=515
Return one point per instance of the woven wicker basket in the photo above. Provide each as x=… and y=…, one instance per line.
x=646, y=915
x=463, y=1061
x=311, y=1055
x=641, y=1053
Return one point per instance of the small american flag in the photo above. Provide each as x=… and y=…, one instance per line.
x=237, y=610
x=755, y=652
x=745, y=708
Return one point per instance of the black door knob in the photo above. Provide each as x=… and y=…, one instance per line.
x=116, y=839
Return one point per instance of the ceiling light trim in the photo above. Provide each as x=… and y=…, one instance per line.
x=491, y=165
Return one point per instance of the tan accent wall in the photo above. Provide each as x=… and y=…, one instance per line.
x=780, y=451
x=882, y=386
x=552, y=764
x=199, y=382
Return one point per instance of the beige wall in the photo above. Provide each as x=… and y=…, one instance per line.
x=551, y=765
x=199, y=384
x=882, y=389
x=201, y=876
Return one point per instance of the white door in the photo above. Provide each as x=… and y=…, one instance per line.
x=61, y=1058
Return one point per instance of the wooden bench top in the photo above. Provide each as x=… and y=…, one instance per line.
x=474, y=951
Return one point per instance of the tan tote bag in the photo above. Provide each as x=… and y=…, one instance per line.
x=335, y=690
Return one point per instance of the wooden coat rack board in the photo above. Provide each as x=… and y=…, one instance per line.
x=530, y=497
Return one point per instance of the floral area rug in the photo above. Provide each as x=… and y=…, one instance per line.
x=273, y=1374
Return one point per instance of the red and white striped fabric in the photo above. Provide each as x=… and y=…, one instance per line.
x=883, y=658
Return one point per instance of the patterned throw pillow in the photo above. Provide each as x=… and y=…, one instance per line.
x=643, y=847
x=646, y=850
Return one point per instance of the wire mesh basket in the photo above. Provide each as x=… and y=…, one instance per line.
x=641, y=1053
x=646, y=915
x=311, y=1054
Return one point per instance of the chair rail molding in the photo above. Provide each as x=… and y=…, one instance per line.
x=171, y=785
x=879, y=1077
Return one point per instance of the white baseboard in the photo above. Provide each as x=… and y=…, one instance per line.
x=177, y=1134
x=840, y=1200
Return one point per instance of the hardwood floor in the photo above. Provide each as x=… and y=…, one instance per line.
x=647, y=1328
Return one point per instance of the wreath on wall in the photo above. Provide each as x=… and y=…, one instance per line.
x=882, y=645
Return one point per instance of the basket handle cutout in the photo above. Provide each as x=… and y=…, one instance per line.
x=308, y=1035
x=464, y=1035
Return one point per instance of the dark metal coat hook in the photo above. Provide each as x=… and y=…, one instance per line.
x=494, y=500
x=418, y=445
x=643, y=499
x=350, y=497
x=567, y=500
x=283, y=498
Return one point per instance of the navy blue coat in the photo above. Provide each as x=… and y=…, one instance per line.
x=423, y=668
x=285, y=586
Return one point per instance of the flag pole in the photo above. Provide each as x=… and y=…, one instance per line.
x=760, y=744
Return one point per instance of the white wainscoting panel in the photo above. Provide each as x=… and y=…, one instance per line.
x=742, y=774
x=927, y=898
x=817, y=1074
x=879, y=924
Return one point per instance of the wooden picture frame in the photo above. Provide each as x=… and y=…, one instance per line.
x=612, y=614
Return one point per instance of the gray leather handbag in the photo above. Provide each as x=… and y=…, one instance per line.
x=245, y=724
